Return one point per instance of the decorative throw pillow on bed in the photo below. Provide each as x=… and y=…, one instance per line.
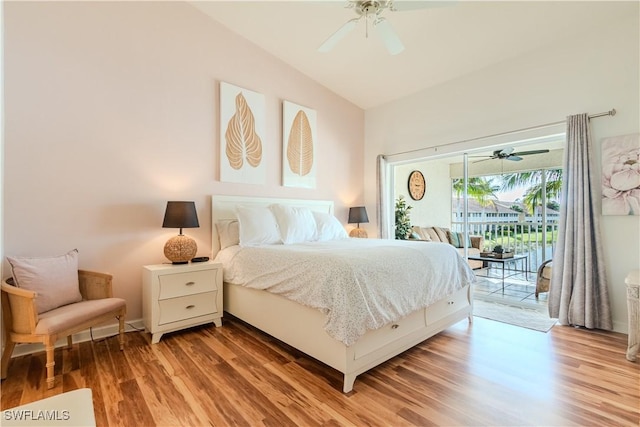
x=257, y=226
x=296, y=225
x=329, y=228
x=228, y=232
x=54, y=279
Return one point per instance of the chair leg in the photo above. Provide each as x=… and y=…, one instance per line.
x=121, y=330
x=69, y=342
x=6, y=356
x=49, y=347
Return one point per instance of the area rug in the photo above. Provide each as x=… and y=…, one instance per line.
x=518, y=316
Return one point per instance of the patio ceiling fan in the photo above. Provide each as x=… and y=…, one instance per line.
x=508, y=154
x=371, y=12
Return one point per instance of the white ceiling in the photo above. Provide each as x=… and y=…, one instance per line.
x=441, y=43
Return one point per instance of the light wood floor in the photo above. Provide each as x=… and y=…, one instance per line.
x=489, y=373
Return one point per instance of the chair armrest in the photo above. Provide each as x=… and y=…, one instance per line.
x=477, y=242
x=94, y=285
x=542, y=266
x=19, y=312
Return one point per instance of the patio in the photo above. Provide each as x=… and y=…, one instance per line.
x=517, y=290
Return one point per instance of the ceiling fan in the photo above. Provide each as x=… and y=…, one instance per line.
x=371, y=11
x=508, y=154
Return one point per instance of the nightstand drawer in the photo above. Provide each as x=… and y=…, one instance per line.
x=176, y=309
x=181, y=284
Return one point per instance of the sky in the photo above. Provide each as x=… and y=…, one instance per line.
x=511, y=196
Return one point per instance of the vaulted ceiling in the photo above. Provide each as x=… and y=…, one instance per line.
x=442, y=41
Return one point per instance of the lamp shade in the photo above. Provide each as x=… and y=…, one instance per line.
x=180, y=249
x=358, y=215
x=180, y=215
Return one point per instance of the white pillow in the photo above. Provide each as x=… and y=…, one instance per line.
x=54, y=279
x=257, y=225
x=296, y=224
x=328, y=227
x=228, y=232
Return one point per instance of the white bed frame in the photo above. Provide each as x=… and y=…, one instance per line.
x=303, y=328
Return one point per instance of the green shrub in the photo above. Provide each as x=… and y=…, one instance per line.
x=403, y=220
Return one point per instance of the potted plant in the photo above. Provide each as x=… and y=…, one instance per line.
x=403, y=220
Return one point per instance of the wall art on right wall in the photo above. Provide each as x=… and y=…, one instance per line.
x=621, y=175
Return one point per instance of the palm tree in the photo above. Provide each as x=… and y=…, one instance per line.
x=478, y=188
x=533, y=180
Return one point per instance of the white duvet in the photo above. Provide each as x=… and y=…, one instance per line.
x=360, y=284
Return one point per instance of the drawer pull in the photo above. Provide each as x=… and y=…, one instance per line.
x=190, y=283
x=189, y=307
x=395, y=326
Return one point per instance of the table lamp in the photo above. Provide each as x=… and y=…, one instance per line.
x=357, y=215
x=180, y=249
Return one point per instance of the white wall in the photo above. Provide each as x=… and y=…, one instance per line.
x=112, y=109
x=592, y=73
x=434, y=209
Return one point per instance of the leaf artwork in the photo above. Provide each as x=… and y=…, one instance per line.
x=242, y=140
x=300, y=145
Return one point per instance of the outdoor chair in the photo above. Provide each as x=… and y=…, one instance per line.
x=543, y=278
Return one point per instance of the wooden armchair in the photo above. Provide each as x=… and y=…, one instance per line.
x=23, y=324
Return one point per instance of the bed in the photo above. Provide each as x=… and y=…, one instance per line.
x=347, y=346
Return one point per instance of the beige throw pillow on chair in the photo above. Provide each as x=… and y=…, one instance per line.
x=54, y=279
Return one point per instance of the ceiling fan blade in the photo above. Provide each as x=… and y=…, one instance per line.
x=513, y=158
x=483, y=160
x=526, y=153
x=334, y=38
x=389, y=37
x=401, y=6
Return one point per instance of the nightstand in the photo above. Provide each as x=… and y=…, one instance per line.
x=175, y=297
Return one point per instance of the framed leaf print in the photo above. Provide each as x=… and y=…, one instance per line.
x=242, y=130
x=299, y=140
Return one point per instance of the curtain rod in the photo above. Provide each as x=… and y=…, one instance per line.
x=611, y=112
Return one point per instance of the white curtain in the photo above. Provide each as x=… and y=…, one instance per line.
x=383, y=198
x=578, y=293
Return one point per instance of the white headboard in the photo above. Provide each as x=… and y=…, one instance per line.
x=224, y=207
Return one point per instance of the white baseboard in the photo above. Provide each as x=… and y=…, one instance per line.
x=622, y=327
x=98, y=333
